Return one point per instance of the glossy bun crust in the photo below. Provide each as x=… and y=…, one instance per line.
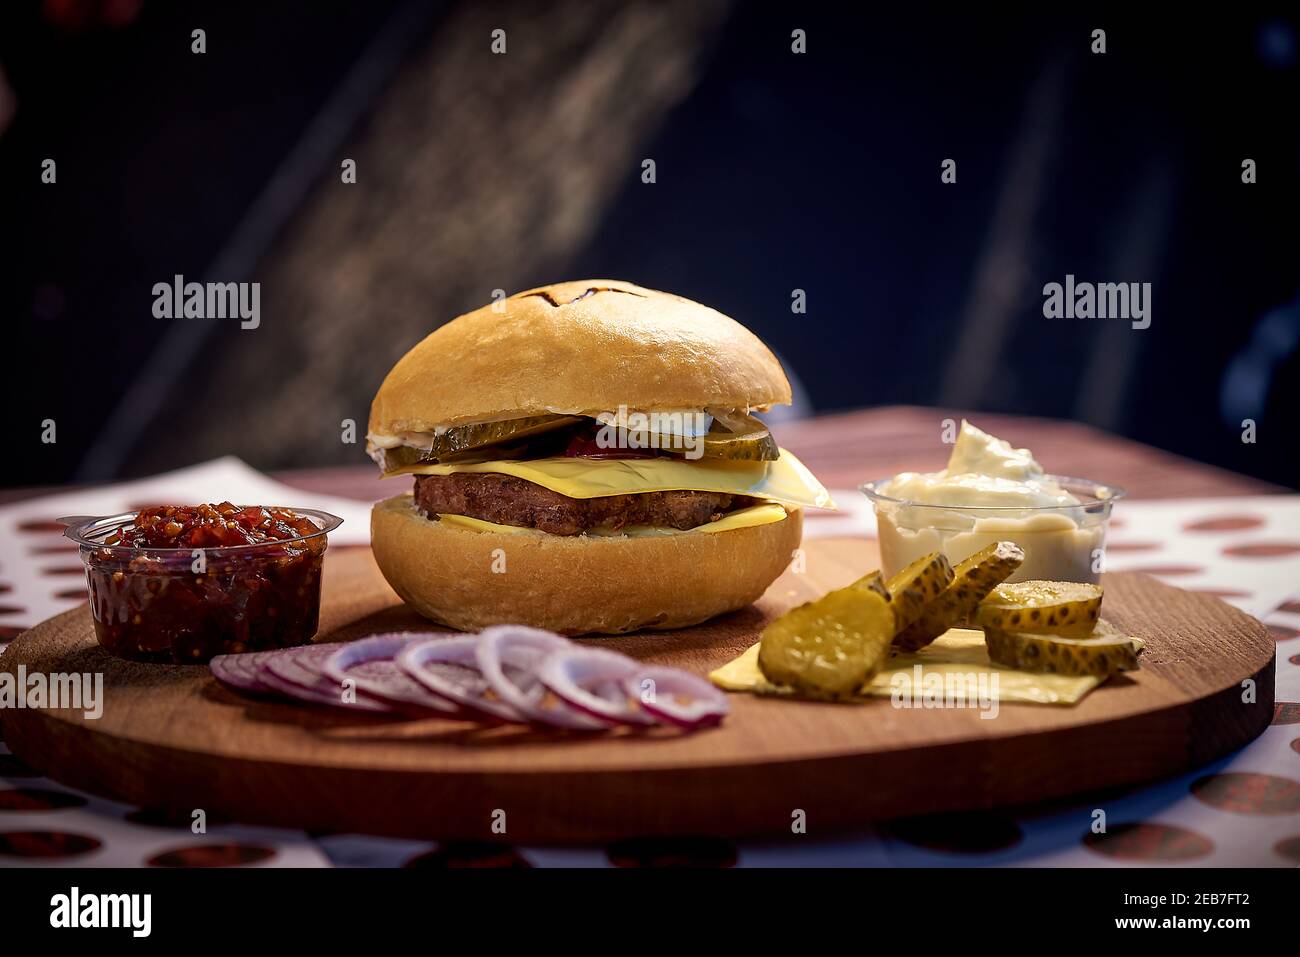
x=578, y=347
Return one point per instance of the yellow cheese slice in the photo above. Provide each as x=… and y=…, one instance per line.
x=741, y=518
x=787, y=480
x=956, y=659
x=479, y=525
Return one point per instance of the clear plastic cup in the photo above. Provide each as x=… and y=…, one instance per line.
x=1061, y=542
x=187, y=605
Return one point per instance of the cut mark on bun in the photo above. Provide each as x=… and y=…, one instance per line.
x=545, y=294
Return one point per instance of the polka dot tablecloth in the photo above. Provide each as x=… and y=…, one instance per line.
x=1243, y=810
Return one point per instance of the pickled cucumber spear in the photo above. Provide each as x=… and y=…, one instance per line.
x=973, y=579
x=917, y=585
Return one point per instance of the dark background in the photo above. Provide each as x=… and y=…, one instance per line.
x=775, y=172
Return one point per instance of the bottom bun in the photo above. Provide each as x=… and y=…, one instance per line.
x=574, y=584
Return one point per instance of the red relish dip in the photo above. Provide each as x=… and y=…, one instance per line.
x=182, y=583
x=210, y=526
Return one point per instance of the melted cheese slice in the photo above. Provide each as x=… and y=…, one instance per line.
x=787, y=480
x=956, y=659
x=741, y=518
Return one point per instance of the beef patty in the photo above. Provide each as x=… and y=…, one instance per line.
x=508, y=500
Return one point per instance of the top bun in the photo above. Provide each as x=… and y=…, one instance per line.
x=580, y=348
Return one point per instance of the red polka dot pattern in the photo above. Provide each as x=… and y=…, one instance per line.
x=1286, y=712
x=1132, y=546
x=1248, y=793
x=1283, y=632
x=41, y=526
x=1294, y=659
x=46, y=844
x=673, y=852
x=1292, y=606
x=1224, y=523
x=1262, y=550
x=10, y=632
x=1222, y=592
x=1149, y=842
x=65, y=570
x=11, y=609
x=1289, y=847
x=1168, y=571
x=63, y=549
x=212, y=855
x=470, y=854
x=73, y=594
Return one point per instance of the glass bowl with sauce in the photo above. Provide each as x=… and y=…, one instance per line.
x=181, y=584
x=1065, y=542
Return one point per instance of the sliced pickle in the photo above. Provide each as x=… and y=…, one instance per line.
x=873, y=581
x=1070, y=609
x=731, y=436
x=972, y=580
x=1104, y=629
x=917, y=585
x=475, y=435
x=739, y=437
x=829, y=648
x=1104, y=652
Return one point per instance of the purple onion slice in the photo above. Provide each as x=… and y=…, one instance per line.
x=369, y=664
x=447, y=667
x=240, y=671
x=508, y=657
x=678, y=697
x=593, y=681
x=295, y=673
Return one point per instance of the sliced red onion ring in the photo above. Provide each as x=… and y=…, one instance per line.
x=295, y=672
x=240, y=671
x=592, y=681
x=369, y=665
x=678, y=697
x=447, y=667
x=509, y=657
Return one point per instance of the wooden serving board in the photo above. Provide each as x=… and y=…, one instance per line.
x=172, y=737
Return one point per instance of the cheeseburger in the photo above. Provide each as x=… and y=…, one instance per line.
x=585, y=458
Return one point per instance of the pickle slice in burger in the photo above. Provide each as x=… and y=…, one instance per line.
x=475, y=435
x=738, y=436
x=731, y=435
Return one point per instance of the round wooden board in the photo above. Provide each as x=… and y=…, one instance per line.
x=172, y=737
